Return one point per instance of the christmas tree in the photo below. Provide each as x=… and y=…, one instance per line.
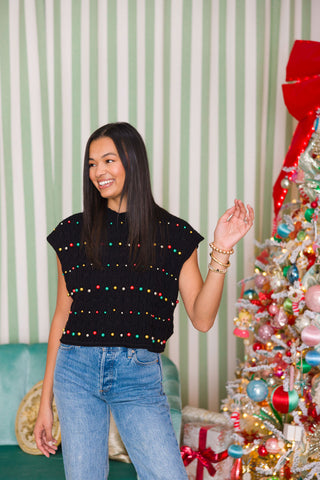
x=274, y=402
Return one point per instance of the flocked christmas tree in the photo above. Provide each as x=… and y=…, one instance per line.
x=274, y=402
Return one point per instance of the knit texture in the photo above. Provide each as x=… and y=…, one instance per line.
x=118, y=305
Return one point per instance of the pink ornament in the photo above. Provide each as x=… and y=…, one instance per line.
x=310, y=336
x=272, y=445
x=312, y=298
x=280, y=319
x=259, y=281
x=265, y=331
x=273, y=309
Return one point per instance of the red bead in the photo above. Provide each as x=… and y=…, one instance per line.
x=94, y=333
x=314, y=204
x=132, y=287
x=97, y=287
x=128, y=334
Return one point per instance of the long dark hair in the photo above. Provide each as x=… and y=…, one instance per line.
x=143, y=213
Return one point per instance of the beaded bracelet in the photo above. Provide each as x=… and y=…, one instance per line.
x=216, y=270
x=220, y=250
x=226, y=265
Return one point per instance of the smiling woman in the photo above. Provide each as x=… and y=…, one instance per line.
x=107, y=172
x=121, y=264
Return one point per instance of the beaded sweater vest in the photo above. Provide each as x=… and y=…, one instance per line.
x=118, y=305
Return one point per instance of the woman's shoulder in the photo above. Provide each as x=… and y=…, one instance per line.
x=74, y=219
x=67, y=227
x=174, y=221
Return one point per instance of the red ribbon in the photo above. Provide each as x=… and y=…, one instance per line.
x=302, y=99
x=205, y=456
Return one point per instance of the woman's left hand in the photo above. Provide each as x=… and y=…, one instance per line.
x=233, y=225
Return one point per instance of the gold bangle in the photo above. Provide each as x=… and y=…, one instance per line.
x=220, y=250
x=216, y=270
x=226, y=265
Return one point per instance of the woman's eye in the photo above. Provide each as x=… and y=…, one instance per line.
x=91, y=165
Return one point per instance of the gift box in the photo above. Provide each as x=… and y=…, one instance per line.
x=205, y=451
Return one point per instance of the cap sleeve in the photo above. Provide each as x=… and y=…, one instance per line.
x=66, y=233
x=189, y=240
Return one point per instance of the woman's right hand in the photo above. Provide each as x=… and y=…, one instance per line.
x=43, y=432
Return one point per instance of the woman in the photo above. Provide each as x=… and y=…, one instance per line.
x=121, y=264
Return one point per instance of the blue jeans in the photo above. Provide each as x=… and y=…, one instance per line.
x=91, y=381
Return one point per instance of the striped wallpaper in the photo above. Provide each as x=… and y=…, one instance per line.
x=200, y=79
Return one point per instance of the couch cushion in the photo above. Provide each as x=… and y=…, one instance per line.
x=21, y=366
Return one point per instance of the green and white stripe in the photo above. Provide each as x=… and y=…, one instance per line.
x=200, y=79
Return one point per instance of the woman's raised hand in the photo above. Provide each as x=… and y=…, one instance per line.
x=233, y=225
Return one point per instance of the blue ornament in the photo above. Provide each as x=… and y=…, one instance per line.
x=235, y=451
x=313, y=358
x=257, y=390
x=293, y=274
x=283, y=230
x=250, y=294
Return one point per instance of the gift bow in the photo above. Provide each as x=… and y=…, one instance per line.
x=302, y=99
x=206, y=457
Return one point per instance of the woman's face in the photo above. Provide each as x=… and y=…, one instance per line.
x=106, y=172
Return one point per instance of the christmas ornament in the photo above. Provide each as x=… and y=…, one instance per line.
x=285, y=183
x=311, y=277
x=265, y=331
x=250, y=294
x=310, y=336
x=235, y=451
x=273, y=309
x=257, y=390
x=312, y=298
x=283, y=230
x=272, y=445
x=262, y=451
x=313, y=357
x=309, y=214
x=287, y=305
x=304, y=366
x=284, y=402
x=293, y=432
x=293, y=273
x=280, y=319
x=260, y=281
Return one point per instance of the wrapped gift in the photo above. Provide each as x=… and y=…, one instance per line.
x=205, y=451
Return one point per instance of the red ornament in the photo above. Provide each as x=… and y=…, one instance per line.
x=257, y=346
x=262, y=451
x=284, y=402
x=314, y=204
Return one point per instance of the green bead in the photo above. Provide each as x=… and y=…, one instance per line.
x=309, y=214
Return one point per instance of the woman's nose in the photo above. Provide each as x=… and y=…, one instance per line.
x=101, y=169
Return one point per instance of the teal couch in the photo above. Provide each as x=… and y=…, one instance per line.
x=21, y=367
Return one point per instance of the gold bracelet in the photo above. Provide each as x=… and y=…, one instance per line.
x=216, y=270
x=226, y=265
x=220, y=250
